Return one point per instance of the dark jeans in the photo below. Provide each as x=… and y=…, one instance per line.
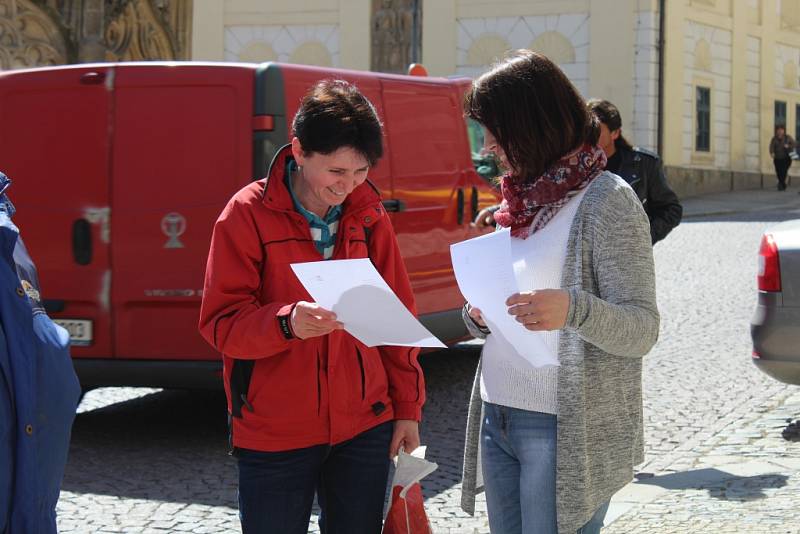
x=276, y=489
x=781, y=168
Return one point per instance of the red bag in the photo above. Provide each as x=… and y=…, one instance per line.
x=407, y=511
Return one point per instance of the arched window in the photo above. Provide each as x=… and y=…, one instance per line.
x=487, y=49
x=555, y=46
x=311, y=53
x=258, y=52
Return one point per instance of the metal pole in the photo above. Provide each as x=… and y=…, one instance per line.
x=415, y=33
x=662, y=4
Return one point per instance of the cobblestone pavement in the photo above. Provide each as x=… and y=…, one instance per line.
x=155, y=461
x=744, y=479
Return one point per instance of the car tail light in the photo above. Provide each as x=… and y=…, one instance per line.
x=756, y=355
x=769, y=270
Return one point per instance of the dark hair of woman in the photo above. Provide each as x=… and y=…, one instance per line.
x=609, y=115
x=529, y=105
x=334, y=114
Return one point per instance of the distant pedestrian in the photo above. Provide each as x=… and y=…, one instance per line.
x=781, y=148
x=556, y=442
x=312, y=409
x=38, y=391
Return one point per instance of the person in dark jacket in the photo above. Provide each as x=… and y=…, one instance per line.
x=641, y=168
x=780, y=148
x=38, y=391
x=312, y=409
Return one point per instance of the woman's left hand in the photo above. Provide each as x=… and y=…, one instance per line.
x=406, y=435
x=543, y=309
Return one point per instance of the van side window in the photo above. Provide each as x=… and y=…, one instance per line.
x=485, y=164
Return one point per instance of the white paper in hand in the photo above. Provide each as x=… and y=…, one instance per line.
x=485, y=275
x=363, y=302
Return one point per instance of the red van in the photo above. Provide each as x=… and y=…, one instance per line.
x=120, y=170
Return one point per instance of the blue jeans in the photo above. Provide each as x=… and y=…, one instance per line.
x=518, y=453
x=276, y=489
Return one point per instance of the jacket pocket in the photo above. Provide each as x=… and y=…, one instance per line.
x=241, y=375
x=289, y=386
x=375, y=384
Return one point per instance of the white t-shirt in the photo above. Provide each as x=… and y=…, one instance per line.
x=508, y=379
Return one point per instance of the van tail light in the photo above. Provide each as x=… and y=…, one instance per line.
x=769, y=269
x=756, y=355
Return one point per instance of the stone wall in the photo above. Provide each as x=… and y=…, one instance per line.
x=689, y=182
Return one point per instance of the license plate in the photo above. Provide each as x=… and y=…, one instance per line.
x=80, y=331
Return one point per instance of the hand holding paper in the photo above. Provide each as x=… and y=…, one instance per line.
x=363, y=302
x=543, y=309
x=485, y=275
x=309, y=319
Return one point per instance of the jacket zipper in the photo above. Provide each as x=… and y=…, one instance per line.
x=319, y=386
x=363, y=378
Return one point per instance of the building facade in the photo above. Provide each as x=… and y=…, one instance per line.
x=708, y=99
x=730, y=75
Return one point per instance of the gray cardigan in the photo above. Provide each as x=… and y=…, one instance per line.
x=612, y=323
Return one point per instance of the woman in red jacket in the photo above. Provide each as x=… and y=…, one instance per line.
x=312, y=409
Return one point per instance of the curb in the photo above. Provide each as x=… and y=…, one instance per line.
x=732, y=211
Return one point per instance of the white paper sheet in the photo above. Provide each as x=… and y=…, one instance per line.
x=363, y=302
x=485, y=275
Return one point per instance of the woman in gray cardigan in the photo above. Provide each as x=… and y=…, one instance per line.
x=554, y=443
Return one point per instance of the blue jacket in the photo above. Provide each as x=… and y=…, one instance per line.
x=38, y=391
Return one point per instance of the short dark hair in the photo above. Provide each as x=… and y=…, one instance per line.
x=609, y=115
x=533, y=110
x=334, y=114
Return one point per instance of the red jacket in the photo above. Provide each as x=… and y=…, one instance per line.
x=287, y=393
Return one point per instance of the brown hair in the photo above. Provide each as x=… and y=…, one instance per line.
x=533, y=110
x=609, y=115
x=334, y=114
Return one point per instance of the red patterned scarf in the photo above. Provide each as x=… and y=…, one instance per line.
x=529, y=205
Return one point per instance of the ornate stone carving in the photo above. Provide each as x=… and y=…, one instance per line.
x=137, y=34
x=396, y=34
x=49, y=32
x=148, y=30
x=28, y=36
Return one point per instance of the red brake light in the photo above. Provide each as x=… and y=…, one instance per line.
x=769, y=269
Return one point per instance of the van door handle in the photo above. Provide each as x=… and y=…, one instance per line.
x=93, y=78
x=460, y=207
x=473, y=204
x=394, y=204
x=82, y=242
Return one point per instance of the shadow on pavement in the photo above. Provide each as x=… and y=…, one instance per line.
x=172, y=445
x=166, y=446
x=719, y=484
x=449, y=375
